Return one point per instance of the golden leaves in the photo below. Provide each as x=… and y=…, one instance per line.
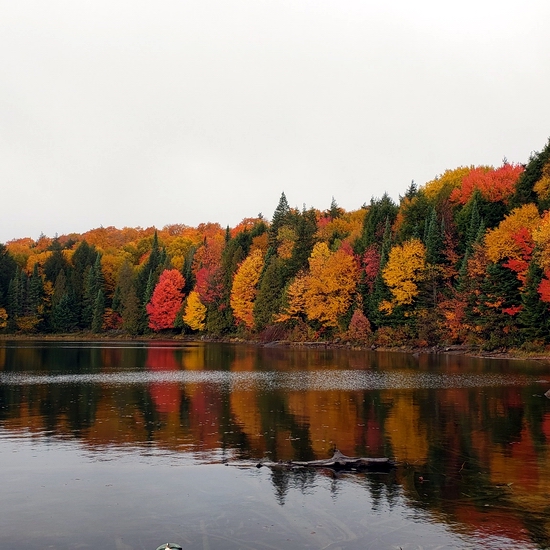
x=405, y=268
x=325, y=292
x=244, y=290
x=195, y=311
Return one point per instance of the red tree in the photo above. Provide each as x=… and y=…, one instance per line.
x=494, y=184
x=166, y=300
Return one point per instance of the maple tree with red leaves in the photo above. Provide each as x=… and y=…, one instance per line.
x=493, y=184
x=166, y=300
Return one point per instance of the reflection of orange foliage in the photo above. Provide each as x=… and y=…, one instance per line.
x=405, y=429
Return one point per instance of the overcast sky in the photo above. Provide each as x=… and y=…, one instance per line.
x=141, y=113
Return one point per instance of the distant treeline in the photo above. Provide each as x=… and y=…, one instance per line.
x=462, y=259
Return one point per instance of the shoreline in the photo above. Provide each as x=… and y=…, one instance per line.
x=457, y=349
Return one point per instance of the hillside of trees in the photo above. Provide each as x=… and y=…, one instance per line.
x=462, y=259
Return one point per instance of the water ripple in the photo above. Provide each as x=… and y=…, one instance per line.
x=297, y=381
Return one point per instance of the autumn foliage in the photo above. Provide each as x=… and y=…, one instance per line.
x=493, y=184
x=244, y=288
x=464, y=258
x=166, y=300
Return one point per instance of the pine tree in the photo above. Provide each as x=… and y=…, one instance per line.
x=93, y=284
x=13, y=303
x=268, y=300
x=279, y=219
x=36, y=291
x=380, y=291
x=497, y=306
x=63, y=314
x=8, y=267
x=534, y=317
x=56, y=262
x=433, y=239
x=305, y=226
x=334, y=211
x=131, y=313
x=99, y=311
x=524, y=193
x=374, y=224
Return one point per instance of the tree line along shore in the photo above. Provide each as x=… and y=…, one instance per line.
x=460, y=262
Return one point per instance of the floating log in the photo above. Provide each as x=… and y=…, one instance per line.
x=338, y=461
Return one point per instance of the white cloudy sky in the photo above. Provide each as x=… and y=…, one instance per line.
x=140, y=113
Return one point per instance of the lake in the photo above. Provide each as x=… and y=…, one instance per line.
x=129, y=445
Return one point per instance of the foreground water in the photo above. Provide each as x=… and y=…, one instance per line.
x=128, y=446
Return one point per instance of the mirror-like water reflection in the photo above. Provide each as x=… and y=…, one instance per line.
x=123, y=445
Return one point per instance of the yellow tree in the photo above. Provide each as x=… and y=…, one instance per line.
x=195, y=311
x=295, y=299
x=244, y=289
x=330, y=285
x=443, y=185
x=404, y=270
x=541, y=237
x=513, y=240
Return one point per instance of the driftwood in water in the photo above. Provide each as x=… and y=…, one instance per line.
x=338, y=461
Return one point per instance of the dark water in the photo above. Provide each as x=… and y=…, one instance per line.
x=128, y=446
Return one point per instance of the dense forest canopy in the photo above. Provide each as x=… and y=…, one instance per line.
x=462, y=259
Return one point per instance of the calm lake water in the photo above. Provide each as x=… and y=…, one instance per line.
x=128, y=446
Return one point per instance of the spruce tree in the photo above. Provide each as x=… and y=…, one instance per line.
x=433, y=239
x=99, y=310
x=279, y=218
x=305, y=226
x=56, y=262
x=8, y=267
x=374, y=223
x=268, y=299
x=524, y=190
x=36, y=291
x=534, y=317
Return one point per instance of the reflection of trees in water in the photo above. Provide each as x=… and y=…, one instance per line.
x=467, y=444
x=278, y=422
x=382, y=487
x=284, y=479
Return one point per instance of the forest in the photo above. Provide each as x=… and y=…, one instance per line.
x=462, y=259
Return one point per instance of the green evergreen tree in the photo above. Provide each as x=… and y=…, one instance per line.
x=268, y=299
x=374, y=223
x=56, y=262
x=13, y=303
x=279, y=219
x=380, y=291
x=131, y=313
x=63, y=314
x=94, y=282
x=499, y=292
x=82, y=261
x=433, y=239
x=125, y=282
x=36, y=291
x=99, y=311
x=534, y=317
x=524, y=192
x=334, y=211
x=414, y=208
x=305, y=226
x=8, y=267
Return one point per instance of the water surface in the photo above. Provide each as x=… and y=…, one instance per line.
x=130, y=445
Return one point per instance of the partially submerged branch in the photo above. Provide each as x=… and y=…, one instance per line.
x=338, y=461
